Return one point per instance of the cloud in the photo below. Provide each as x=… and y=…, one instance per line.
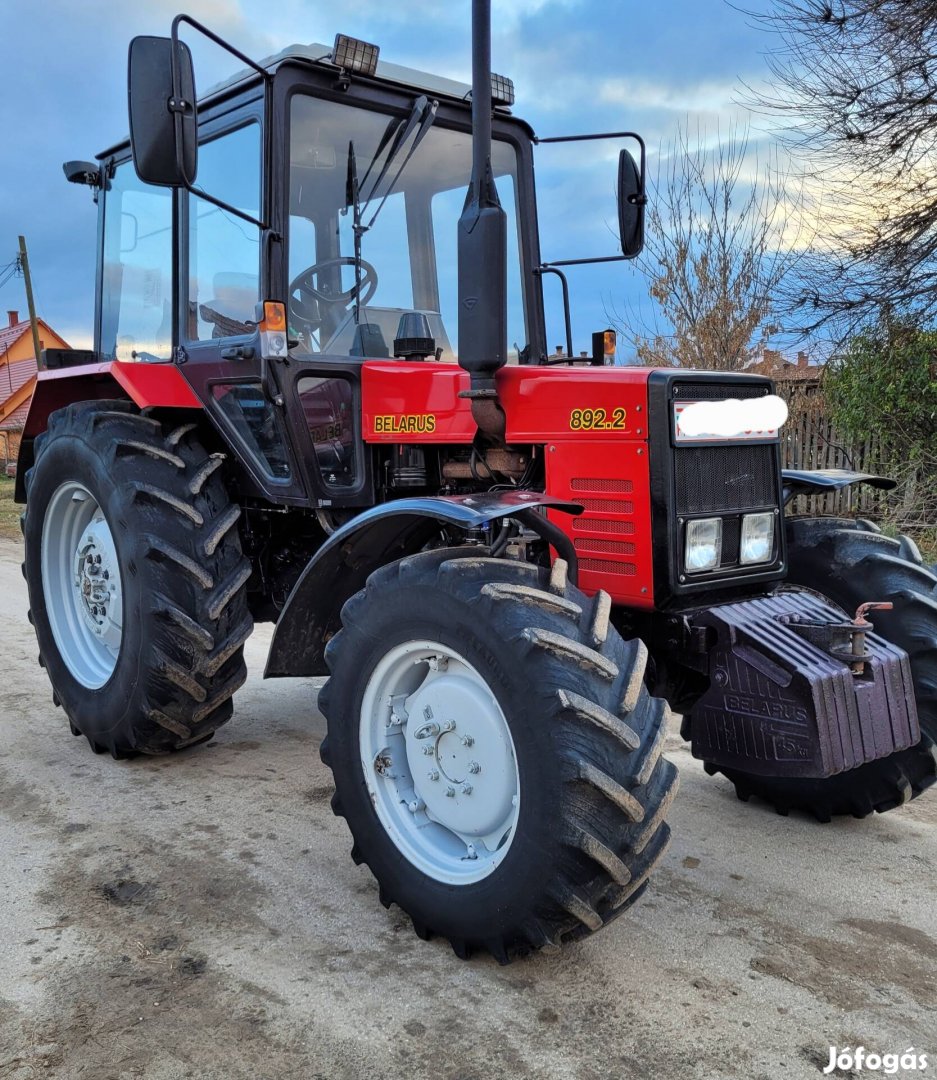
x=579, y=65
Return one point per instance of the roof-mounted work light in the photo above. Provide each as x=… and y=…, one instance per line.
x=354, y=55
x=502, y=89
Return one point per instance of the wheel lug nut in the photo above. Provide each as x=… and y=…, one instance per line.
x=474, y=768
x=433, y=774
x=415, y=805
x=450, y=792
x=428, y=750
x=467, y=740
x=449, y=725
x=466, y=789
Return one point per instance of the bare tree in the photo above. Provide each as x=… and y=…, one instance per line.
x=718, y=248
x=856, y=81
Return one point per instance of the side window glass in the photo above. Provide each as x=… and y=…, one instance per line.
x=136, y=309
x=328, y=408
x=224, y=251
x=254, y=419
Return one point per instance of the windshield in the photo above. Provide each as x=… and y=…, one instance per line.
x=409, y=255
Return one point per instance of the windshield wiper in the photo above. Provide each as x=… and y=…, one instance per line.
x=395, y=136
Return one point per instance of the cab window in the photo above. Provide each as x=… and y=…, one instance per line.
x=408, y=243
x=137, y=279
x=224, y=250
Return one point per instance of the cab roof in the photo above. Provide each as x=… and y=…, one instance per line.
x=321, y=56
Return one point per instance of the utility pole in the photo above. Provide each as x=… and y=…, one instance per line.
x=30, y=303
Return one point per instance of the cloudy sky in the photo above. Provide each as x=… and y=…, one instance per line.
x=579, y=65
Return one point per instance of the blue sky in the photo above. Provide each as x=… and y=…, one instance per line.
x=579, y=65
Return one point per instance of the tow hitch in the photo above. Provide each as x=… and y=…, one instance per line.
x=798, y=689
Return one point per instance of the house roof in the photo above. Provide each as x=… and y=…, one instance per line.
x=12, y=376
x=9, y=335
x=18, y=377
x=17, y=419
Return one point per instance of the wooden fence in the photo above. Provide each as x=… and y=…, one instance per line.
x=810, y=441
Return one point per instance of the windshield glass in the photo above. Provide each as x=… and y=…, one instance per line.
x=409, y=255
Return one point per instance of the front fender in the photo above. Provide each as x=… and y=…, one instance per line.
x=369, y=541
x=823, y=481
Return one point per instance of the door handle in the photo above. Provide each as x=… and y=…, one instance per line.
x=238, y=352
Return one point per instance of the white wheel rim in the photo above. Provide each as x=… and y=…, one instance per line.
x=439, y=762
x=81, y=584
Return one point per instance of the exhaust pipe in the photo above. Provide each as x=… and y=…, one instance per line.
x=483, y=315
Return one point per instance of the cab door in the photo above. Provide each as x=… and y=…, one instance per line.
x=222, y=280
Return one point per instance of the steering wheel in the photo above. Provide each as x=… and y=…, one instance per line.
x=305, y=305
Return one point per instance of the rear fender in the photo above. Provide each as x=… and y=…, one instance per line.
x=146, y=385
x=341, y=567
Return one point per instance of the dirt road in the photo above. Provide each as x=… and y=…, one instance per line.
x=200, y=917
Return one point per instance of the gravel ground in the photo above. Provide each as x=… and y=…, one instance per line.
x=200, y=916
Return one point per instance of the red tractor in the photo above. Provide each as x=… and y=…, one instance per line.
x=302, y=406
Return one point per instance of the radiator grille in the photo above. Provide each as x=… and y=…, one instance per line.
x=607, y=506
x=606, y=566
x=603, y=486
x=719, y=391
x=713, y=479
x=591, y=524
x=609, y=547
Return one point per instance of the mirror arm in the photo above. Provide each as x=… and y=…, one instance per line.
x=584, y=262
x=551, y=268
x=231, y=210
x=179, y=106
x=211, y=37
x=642, y=197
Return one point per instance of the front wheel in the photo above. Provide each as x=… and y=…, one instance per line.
x=495, y=752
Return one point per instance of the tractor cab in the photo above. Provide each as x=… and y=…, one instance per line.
x=332, y=184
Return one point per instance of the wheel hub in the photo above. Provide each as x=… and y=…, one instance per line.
x=474, y=759
x=81, y=584
x=97, y=575
x=439, y=762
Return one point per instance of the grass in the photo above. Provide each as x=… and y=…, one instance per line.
x=9, y=511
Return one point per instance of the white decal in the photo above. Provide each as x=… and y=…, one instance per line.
x=755, y=418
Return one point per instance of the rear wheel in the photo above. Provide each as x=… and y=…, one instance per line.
x=495, y=752
x=136, y=578
x=852, y=562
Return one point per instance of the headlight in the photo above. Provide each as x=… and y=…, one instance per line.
x=757, y=539
x=703, y=545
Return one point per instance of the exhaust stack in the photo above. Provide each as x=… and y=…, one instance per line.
x=483, y=251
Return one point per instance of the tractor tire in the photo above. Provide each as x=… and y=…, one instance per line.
x=851, y=562
x=455, y=672
x=137, y=583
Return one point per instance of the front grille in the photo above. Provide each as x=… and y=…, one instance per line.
x=731, y=541
x=719, y=391
x=714, y=479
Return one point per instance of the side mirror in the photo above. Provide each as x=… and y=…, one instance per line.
x=631, y=202
x=163, y=117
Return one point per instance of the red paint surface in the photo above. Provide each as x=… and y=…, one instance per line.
x=147, y=385
x=607, y=470
x=612, y=536
x=538, y=401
